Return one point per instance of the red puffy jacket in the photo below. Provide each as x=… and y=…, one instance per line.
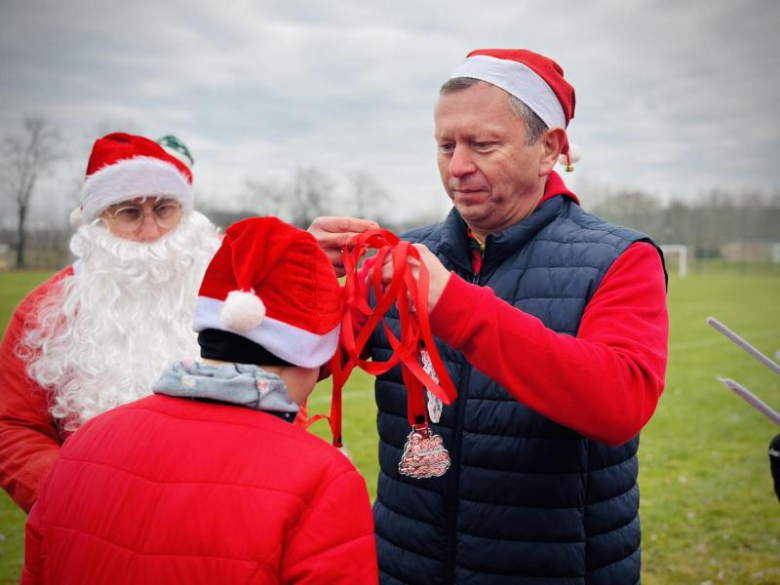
x=171, y=490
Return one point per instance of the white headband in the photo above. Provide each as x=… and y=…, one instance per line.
x=518, y=80
x=142, y=176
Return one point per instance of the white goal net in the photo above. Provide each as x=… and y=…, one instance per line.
x=678, y=252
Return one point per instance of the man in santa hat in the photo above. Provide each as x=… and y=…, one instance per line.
x=97, y=334
x=554, y=328
x=208, y=481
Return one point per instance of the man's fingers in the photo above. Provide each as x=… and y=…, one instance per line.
x=388, y=269
x=339, y=239
x=338, y=266
x=334, y=233
x=354, y=225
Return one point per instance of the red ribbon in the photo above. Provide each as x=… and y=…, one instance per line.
x=415, y=327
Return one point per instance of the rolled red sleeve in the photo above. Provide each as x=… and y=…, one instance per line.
x=29, y=442
x=605, y=382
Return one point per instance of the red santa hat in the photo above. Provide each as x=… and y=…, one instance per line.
x=272, y=284
x=122, y=167
x=534, y=79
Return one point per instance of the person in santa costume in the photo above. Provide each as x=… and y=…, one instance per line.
x=98, y=333
x=208, y=480
x=553, y=326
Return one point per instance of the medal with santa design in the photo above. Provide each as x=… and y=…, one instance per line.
x=424, y=454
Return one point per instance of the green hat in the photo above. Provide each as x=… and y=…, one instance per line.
x=177, y=148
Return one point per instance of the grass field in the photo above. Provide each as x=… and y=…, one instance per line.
x=709, y=513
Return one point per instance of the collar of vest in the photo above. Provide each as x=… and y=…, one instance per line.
x=498, y=247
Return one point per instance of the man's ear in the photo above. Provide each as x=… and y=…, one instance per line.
x=552, y=142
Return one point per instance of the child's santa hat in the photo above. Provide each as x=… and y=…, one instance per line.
x=123, y=167
x=534, y=79
x=269, y=296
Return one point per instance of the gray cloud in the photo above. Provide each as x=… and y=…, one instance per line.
x=672, y=97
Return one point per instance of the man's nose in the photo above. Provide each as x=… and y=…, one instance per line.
x=149, y=230
x=461, y=162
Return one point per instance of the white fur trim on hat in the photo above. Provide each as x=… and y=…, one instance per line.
x=242, y=311
x=292, y=344
x=518, y=80
x=142, y=176
x=76, y=217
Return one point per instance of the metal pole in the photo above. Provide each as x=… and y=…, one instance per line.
x=753, y=400
x=744, y=344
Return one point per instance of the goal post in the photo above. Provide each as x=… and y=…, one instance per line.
x=681, y=252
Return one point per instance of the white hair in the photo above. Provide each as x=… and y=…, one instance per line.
x=104, y=335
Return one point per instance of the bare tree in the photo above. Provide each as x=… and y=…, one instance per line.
x=370, y=198
x=265, y=197
x=26, y=159
x=311, y=194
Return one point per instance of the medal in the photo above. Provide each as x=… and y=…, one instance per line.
x=424, y=454
x=428, y=384
x=435, y=405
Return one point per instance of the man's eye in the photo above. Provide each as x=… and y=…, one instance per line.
x=446, y=147
x=481, y=145
x=166, y=210
x=128, y=214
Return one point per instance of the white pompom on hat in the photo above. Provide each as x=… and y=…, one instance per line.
x=572, y=156
x=534, y=79
x=242, y=311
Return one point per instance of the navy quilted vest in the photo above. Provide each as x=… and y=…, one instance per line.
x=526, y=500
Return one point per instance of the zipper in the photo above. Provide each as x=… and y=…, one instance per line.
x=452, y=503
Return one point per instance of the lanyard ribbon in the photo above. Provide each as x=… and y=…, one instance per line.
x=414, y=324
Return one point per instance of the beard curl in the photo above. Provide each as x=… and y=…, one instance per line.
x=104, y=335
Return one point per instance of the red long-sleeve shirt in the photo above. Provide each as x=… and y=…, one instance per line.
x=605, y=382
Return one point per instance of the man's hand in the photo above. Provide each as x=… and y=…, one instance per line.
x=333, y=233
x=438, y=275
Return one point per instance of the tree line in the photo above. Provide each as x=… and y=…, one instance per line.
x=29, y=156
x=704, y=223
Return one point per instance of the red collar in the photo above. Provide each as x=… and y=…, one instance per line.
x=554, y=187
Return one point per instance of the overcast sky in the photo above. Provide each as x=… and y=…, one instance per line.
x=672, y=97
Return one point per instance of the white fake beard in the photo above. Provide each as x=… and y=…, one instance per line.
x=104, y=337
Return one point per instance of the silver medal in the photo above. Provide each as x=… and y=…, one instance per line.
x=424, y=454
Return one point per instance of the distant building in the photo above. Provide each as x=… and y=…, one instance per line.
x=6, y=257
x=740, y=251
x=46, y=249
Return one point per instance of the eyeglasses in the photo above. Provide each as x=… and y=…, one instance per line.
x=128, y=217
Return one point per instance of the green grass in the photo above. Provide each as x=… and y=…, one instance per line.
x=709, y=512
x=708, y=509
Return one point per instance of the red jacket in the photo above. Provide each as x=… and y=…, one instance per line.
x=171, y=490
x=29, y=442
